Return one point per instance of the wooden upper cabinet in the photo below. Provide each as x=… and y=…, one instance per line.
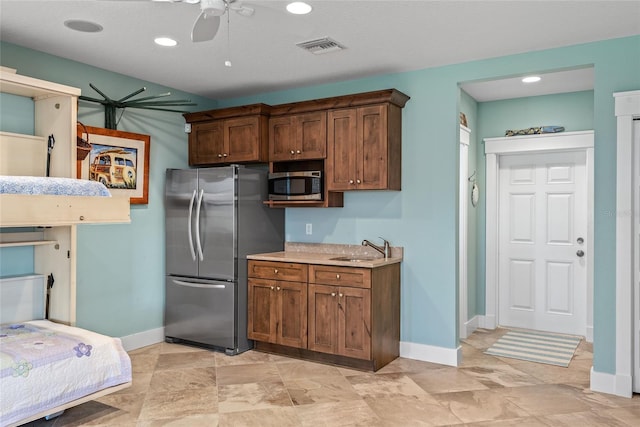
x=298, y=137
x=206, y=142
x=242, y=139
x=232, y=135
x=364, y=148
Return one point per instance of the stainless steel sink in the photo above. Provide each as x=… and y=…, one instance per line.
x=354, y=258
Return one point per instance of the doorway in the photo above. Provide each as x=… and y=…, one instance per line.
x=542, y=228
x=539, y=271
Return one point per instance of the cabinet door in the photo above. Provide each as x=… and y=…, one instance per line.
x=242, y=139
x=206, y=143
x=371, y=148
x=341, y=147
x=291, y=328
x=282, y=138
x=298, y=137
x=323, y=318
x=311, y=132
x=354, y=322
x=261, y=321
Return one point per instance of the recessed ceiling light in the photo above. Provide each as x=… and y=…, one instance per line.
x=83, y=26
x=298, y=8
x=531, y=79
x=165, y=41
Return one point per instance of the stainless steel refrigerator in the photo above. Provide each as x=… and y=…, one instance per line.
x=214, y=218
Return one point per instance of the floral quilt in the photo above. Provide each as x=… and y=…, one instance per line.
x=51, y=185
x=45, y=364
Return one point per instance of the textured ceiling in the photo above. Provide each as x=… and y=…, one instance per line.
x=380, y=37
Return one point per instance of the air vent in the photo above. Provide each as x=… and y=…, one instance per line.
x=320, y=46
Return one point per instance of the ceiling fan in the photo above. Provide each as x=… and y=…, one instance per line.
x=208, y=22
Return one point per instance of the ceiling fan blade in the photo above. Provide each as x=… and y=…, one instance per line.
x=205, y=27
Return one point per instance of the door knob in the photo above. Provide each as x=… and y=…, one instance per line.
x=580, y=253
x=580, y=240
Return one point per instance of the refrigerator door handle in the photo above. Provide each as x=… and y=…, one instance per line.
x=200, y=254
x=193, y=252
x=198, y=285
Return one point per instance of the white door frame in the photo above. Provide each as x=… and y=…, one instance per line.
x=546, y=143
x=627, y=108
x=463, y=234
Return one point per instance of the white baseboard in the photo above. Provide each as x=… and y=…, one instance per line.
x=487, y=321
x=620, y=385
x=472, y=324
x=142, y=339
x=430, y=353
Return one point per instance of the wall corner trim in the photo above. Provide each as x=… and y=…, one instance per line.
x=618, y=385
x=430, y=353
x=142, y=339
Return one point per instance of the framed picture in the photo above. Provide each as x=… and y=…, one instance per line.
x=119, y=160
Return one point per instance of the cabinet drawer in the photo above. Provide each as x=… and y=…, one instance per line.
x=278, y=271
x=346, y=276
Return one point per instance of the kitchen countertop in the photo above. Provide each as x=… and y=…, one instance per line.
x=323, y=253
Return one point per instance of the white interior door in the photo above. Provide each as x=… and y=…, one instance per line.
x=542, y=232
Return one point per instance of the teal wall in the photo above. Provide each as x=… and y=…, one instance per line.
x=130, y=298
x=422, y=218
x=573, y=111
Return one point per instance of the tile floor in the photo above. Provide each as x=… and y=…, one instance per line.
x=175, y=385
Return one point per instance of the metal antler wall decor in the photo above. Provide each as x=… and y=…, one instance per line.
x=147, y=103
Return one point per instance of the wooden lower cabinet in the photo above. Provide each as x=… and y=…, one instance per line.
x=340, y=321
x=344, y=315
x=278, y=312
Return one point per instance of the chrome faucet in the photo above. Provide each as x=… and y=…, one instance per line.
x=384, y=250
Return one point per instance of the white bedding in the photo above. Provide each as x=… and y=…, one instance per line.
x=45, y=364
x=51, y=185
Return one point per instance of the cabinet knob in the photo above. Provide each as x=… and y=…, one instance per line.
x=333, y=294
x=81, y=217
x=224, y=155
x=271, y=287
x=275, y=271
x=350, y=181
x=297, y=151
x=357, y=181
x=338, y=276
x=340, y=295
x=278, y=288
x=293, y=152
x=219, y=155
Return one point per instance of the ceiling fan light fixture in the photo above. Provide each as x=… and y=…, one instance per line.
x=531, y=79
x=299, y=8
x=165, y=41
x=214, y=7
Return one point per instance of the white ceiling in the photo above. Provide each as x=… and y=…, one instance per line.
x=380, y=37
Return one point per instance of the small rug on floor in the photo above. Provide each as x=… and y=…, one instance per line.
x=533, y=346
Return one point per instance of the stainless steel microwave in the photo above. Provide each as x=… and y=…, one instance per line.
x=299, y=185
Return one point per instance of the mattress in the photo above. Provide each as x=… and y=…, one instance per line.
x=45, y=364
x=51, y=186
